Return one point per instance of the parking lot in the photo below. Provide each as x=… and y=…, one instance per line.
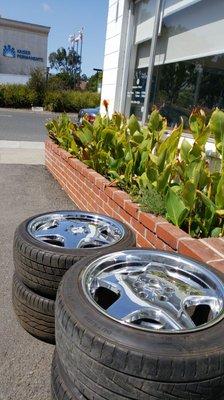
x=25, y=362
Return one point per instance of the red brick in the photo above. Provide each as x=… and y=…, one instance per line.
x=72, y=162
x=196, y=249
x=142, y=242
x=138, y=226
x=159, y=244
x=170, y=234
x=131, y=208
x=218, y=264
x=113, y=205
x=120, y=197
x=148, y=220
x=125, y=216
x=101, y=182
x=64, y=154
x=110, y=191
x=217, y=244
x=151, y=237
x=107, y=209
x=103, y=196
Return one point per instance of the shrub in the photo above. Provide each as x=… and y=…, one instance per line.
x=169, y=178
x=70, y=100
x=16, y=96
x=37, y=84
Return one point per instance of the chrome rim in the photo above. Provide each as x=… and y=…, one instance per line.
x=154, y=291
x=75, y=230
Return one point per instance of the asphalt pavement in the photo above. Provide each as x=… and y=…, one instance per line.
x=25, y=125
x=25, y=362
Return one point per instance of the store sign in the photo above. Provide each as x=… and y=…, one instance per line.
x=11, y=52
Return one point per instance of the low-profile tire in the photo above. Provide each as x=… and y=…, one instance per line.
x=41, y=265
x=61, y=387
x=111, y=357
x=34, y=312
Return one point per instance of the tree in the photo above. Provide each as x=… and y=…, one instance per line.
x=37, y=83
x=94, y=80
x=65, y=61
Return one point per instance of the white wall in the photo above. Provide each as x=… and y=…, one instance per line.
x=10, y=78
x=114, y=52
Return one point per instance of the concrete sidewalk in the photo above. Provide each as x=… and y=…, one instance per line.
x=21, y=152
x=25, y=190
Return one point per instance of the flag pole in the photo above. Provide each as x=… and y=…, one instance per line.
x=81, y=36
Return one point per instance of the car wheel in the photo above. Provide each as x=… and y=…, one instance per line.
x=35, y=313
x=142, y=324
x=61, y=388
x=46, y=245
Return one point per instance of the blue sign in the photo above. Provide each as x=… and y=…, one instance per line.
x=9, y=51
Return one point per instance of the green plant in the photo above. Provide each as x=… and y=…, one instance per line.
x=70, y=100
x=16, y=96
x=165, y=176
x=37, y=84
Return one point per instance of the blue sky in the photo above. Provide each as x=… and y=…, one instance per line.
x=66, y=17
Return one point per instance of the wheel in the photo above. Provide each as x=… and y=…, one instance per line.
x=46, y=245
x=35, y=313
x=143, y=324
x=61, y=388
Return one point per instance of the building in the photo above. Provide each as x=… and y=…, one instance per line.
x=23, y=47
x=164, y=52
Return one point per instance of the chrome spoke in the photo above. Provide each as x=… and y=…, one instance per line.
x=76, y=229
x=154, y=290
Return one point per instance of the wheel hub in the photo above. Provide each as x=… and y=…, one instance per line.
x=76, y=229
x=154, y=290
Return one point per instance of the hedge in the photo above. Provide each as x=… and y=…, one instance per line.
x=20, y=96
x=70, y=100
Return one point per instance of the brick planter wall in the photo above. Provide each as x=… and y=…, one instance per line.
x=92, y=192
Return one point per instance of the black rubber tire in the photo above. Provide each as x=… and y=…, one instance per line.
x=61, y=387
x=134, y=363
x=41, y=265
x=34, y=312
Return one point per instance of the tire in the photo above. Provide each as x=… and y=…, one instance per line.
x=61, y=388
x=34, y=312
x=130, y=363
x=41, y=265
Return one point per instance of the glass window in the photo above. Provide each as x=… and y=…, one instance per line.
x=144, y=17
x=183, y=85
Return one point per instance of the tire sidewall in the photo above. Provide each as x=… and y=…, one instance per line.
x=195, y=345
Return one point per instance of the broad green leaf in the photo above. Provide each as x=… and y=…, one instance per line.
x=137, y=137
x=74, y=149
x=209, y=210
x=163, y=179
x=133, y=124
x=216, y=124
x=85, y=135
x=197, y=122
x=176, y=209
x=128, y=171
x=162, y=160
x=170, y=144
x=143, y=180
x=219, y=198
x=152, y=172
x=156, y=122
x=216, y=232
x=220, y=213
x=189, y=194
x=195, y=152
x=184, y=150
x=204, y=136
